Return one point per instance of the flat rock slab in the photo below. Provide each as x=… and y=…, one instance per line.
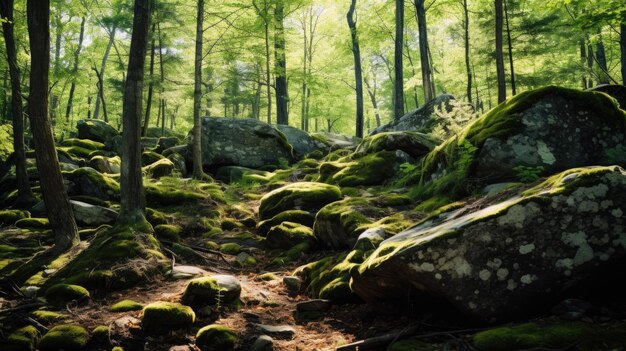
x=186, y=272
x=315, y=305
x=277, y=331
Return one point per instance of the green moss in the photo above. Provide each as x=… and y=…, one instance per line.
x=150, y=157
x=337, y=154
x=94, y=183
x=216, y=338
x=185, y=252
x=329, y=278
x=117, y=348
x=8, y=217
x=370, y=169
x=47, y=317
x=230, y=248
x=62, y=294
x=289, y=234
x=230, y=224
x=160, y=316
x=65, y=337
x=167, y=195
x=92, y=200
x=100, y=334
x=292, y=255
x=155, y=217
x=201, y=291
x=266, y=277
x=39, y=223
x=305, y=196
x=582, y=177
x=83, y=143
x=295, y=216
x=168, y=232
x=413, y=143
x=126, y=305
x=551, y=336
x=23, y=339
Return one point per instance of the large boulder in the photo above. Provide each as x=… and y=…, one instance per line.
x=363, y=169
x=242, y=142
x=618, y=92
x=414, y=144
x=539, y=132
x=88, y=181
x=513, y=257
x=96, y=130
x=421, y=120
x=91, y=214
x=302, y=142
x=306, y=196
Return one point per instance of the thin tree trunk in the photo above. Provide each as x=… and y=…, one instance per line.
x=100, y=96
x=499, y=55
x=467, y=51
x=54, y=99
x=590, y=60
x=5, y=100
x=70, y=99
x=372, y=94
x=420, y=14
x=583, y=60
x=398, y=86
x=162, y=71
x=55, y=198
x=358, y=73
x=198, y=173
x=408, y=55
x=622, y=45
x=304, y=75
x=24, y=192
x=146, y=120
x=280, y=61
x=267, y=64
x=510, y=46
x=133, y=199
x=601, y=57
x=89, y=107
x=96, y=112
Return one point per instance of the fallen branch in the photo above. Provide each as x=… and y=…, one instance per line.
x=21, y=308
x=201, y=249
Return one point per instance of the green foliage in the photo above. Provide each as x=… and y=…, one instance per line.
x=528, y=174
x=8, y=217
x=6, y=142
x=159, y=317
x=168, y=232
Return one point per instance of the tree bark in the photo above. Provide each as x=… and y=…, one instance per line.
x=420, y=14
x=510, y=47
x=622, y=45
x=467, y=51
x=601, y=57
x=358, y=73
x=70, y=99
x=372, y=94
x=131, y=182
x=408, y=55
x=54, y=99
x=280, y=61
x=198, y=173
x=101, y=74
x=146, y=121
x=304, y=76
x=55, y=198
x=162, y=101
x=24, y=192
x=499, y=55
x=398, y=86
x=583, y=60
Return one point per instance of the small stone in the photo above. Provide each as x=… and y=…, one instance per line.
x=181, y=348
x=313, y=305
x=263, y=343
x=125, y=322
x=216, y=338
x=292, y=283
x=30, y=291
x=277, y=331
x=186, y=272
x=230, y=287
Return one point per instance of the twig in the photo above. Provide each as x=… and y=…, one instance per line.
x=201, y=249
x=21, y=308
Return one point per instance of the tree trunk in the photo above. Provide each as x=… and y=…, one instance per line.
x=420, y=14
x=408, y=55
x=162, y=70
x=198, y=173
x=24, y=192
x=622, y=45
x=358, y=73
x=601, y=57
x=467, y=51
x=282, y=98
x=54, y=99
x=372, y=94
x=583, y=60
x=146, y=120
x=510, y=46
x=590, y=59
x=398, y=86
x=305, y=61
x=499, y=55
x=70, y=99
x=55, y=198
x=133, y=199
x=267, y=65
x=101, y=74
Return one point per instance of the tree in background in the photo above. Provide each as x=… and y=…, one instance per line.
x=398, y=87
x=131, y=181
x=280, y=61
x=198, y=173
x=427, y=81
x=55, y=198
x=358, y=74
x=499, y=55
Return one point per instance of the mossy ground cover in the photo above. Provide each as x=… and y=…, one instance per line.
x=161, y=317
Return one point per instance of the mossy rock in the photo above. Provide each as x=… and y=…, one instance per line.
x=62, y=294
x=161, y=168
x=155, y=217
x=46, y=317
x=160, y=317
x=83, y=143
x=201, y=291
x=100, y=334
x=126, y=305
x=295, y=216
x=90, y=182
x=92, y=200
x=162, y=195
x=369, y=169
x=9, y=217
x=288, y=234
x=291, y=255
x=306, y=196
x=150, y=157
x=65, y=337
x=23, y=339
x=168, y=232
x=216, y=338
x=230, y=248
x=104, y=164
x=36, y=223
x=413, y=143
x=230, y=224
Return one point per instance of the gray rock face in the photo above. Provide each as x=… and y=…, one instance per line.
x=512, y=258
x=242, y=142
x=91, y=214
x=96, y=130
x=421, y=120
x=302, y=142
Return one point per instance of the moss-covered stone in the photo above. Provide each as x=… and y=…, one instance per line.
x=201, y=291
x=92, y=200
x=295, y=216
x=62, y=294
x=126, y=305
x=168, y=232
x=100, y=334
x=216, y=338
x=90, y=182
x=150, y=157
x=164, y=195
x=65, y=337
x=303, y=196
x=155, y=217
x=288, y=234
x=161, y=168
x=230, y=248
x=9, y=217
x=83, y=143
x=23, y=339
x=370, y=169
x=38, y=223
x=104, y=164
x=230, y=224
x=46, y=317
x=160, y=317
x=291, y=255
x=413, y=143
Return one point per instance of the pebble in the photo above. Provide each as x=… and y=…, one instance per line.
x=292, y=283
x=263, y=343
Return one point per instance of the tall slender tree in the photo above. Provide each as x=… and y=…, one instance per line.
x=510, y=48
x=197, y=96
x=263, y=13
x=146, y=121
x=499, y=55
x=131, y=181
x=358, y=72
x=398, y=86
x=466, y=38
x=70, y=99
x=622, y=44
x=420, y=15
x=280, y=61
x=24, y=192
x=55, y=198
